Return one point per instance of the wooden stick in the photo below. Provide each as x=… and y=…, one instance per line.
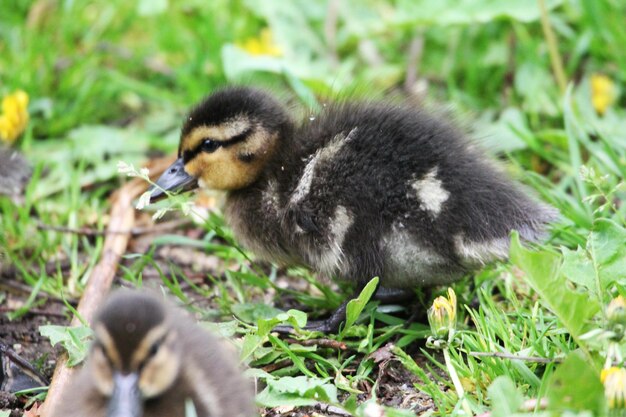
x=99, y=284
x=87, y=231
x=329, y=343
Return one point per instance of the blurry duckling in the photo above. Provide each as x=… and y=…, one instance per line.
x=358, y=191
x=149, y=360
x=15, y=173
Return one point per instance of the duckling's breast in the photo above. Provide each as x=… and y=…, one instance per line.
x=255, y=216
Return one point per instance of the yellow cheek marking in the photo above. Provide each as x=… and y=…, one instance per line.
x=101, y=371
x=109, y=346
x=220, y=132
x=160, y=372
x=223, y=170
x=141, y=352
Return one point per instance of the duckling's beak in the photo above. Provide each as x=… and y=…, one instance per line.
x=173, y=179
x=126, y=399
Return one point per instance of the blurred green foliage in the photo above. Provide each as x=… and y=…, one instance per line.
x=111, y=80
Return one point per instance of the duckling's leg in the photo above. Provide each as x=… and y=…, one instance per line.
x=332, y=323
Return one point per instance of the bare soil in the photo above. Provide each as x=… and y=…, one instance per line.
x=394, y=384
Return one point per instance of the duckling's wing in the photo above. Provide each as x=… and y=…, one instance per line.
x=304, y=218
x=211, y=371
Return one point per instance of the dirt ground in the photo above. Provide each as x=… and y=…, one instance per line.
x=394, y=383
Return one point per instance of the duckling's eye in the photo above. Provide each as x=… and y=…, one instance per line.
x=210, y=145
x=154, y=349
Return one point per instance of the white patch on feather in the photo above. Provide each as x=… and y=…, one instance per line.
x=430, y=192
x=304, y=185
x=482, y=252
x=331, y=259
x=409, y=263
x=322, y=155
x=269, y=197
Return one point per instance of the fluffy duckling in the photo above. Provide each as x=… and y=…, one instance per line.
x=361, y=190
x=149, y=360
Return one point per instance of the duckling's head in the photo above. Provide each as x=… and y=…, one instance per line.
x=136, y=354
x=226, y=141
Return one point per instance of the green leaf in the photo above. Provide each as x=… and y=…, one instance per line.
x=532, y=83
x=151, y=7
x=75, y=340
x=503, y=135
x=294, y=317
x=602, y=262
x=251, y=343
x=575, y=385
x=29, y=303
x=224, y=329
x=543, y=273
x=252, y=312
x=505, y=398
x=607, y=246
x=303, y=92
x=238, y=63
x=356, y=306
x=578, y=268
x=465, y=12
x=297, y=391
x=297, y=360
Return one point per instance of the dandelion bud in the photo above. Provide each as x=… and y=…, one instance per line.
x=442, y=315
x=614, y=380
x=616, y=317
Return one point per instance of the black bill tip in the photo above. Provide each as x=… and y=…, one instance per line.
x=174, y=179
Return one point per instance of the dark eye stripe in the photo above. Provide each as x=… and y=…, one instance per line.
x=152, y=351
x=236, y=139
x=189, y=155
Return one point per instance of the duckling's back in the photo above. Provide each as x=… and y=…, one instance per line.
x=390, y=191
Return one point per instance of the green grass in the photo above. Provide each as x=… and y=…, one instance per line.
x=108, y=81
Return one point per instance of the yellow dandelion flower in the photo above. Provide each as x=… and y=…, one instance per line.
x=14, y=116
x=261, y=45
x=616, y=317
x=616, y=310
x=442, y=315
x=603, y=92
x=614, y=380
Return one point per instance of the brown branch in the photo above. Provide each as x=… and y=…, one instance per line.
x=553, y=47
x=23, y=364
x=330, y=31
x=35, y=312
x=276, y=366
x=18, y=287
x=87, y=231
x=414, y=58
x=329, y=343
x=122, y=218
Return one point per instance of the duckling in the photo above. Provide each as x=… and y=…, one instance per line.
x=358, y=191
x=15, y=173
x=149, y=360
